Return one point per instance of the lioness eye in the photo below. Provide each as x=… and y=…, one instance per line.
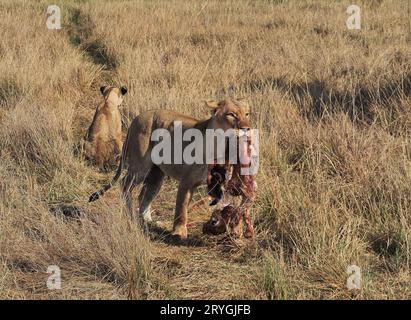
x=231, y=115
x=247, y=114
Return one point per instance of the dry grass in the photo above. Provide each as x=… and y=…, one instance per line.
x=333, y=106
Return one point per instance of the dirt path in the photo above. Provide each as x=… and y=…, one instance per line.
x=203, y=267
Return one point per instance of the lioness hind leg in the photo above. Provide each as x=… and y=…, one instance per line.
x=88, y=150
x=128, y=183
x=151, y=187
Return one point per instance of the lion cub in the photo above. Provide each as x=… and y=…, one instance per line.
x=103, y=141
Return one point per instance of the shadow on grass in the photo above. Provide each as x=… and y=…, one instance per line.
x=81, y=36
x=317, y=98
x=160, y=234
x=68, y=212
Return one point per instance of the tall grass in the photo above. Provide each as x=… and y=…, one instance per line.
x=333, y=107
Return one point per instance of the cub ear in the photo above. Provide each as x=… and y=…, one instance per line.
x=102, y=90
x=123, y=90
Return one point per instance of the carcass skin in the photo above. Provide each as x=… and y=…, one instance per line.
x=228, y=178
x=221, y=219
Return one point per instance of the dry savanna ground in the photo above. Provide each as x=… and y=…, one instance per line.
x=334, y=111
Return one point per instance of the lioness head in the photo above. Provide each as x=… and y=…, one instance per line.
x=230, y=114
x=113, y=95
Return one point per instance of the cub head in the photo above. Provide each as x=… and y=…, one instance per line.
x=230, y=114
x=113, y=95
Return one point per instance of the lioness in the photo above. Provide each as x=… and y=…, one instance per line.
x=103, y=141
x=136, y=157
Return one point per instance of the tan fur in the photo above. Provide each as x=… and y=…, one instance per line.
x=136, y=157
x=103, y=141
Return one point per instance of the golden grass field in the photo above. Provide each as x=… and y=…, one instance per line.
x=333, y=107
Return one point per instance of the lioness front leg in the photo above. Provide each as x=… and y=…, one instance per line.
x=180, y=219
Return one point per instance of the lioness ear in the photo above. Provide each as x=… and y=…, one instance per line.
x=212, y=105
x=102, y=90
x=244, y=103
